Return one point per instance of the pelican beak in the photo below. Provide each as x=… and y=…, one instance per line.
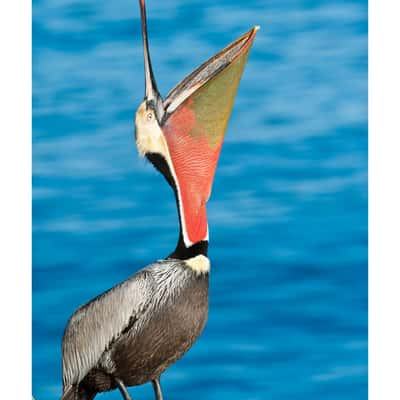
x=196, y=114
x=220, y=74
x=151, y=96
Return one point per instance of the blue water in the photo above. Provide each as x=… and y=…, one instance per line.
x=288, y=213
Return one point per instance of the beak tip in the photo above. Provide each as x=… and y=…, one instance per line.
x=257, y=28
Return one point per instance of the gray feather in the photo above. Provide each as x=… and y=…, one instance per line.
x=93, y=328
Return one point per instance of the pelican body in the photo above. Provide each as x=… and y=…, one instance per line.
x=133, y=332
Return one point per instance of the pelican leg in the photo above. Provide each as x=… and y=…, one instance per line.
x=122, y=389
x=157, y=388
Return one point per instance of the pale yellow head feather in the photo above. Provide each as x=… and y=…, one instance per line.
x=149, y=136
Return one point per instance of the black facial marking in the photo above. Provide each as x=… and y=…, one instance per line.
x=181, y=252
x=150, y=105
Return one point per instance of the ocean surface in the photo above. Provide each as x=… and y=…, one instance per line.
x=288, y=213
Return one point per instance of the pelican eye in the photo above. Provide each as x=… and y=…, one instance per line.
x=149, y=116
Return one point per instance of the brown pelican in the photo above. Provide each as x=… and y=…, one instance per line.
x=132, y=333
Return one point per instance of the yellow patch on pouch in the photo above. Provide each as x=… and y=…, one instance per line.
x=200, y=264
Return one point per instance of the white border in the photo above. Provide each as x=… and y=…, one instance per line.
x=15, y=203
x=384, y=200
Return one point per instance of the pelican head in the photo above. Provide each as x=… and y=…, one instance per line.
x=183, y=134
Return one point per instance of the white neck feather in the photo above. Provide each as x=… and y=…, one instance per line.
x=199, y=264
